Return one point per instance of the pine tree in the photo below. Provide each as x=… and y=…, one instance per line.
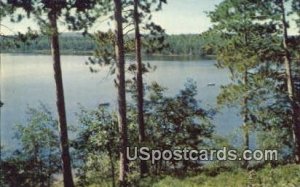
x=233, y=18
x=144, y=7
x=139, y=84
x=53, y=10
x=277, y=12
x=244, y=41
x=266, y=42
x=290, y=82
x=120, y=63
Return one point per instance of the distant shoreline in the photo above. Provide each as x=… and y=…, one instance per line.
x=90, y=53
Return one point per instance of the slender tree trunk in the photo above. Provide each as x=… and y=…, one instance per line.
x=290, y=86
x=60, y=103
x=139, y=86
x=120, y=61
x=245, y=109
x=36, y=167
x=245, y=120
x=112, y=167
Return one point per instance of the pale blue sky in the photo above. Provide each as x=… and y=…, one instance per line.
x=177, y=17
x=185, y=16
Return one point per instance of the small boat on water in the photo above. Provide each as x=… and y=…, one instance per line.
x=211, y=84
x=104, y=105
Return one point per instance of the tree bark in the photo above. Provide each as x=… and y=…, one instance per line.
x=112, y=167
x=120, y=62
x=139, y=86
x=60, y=103
x=245, y=120
x=290, y=86
x=245, y=109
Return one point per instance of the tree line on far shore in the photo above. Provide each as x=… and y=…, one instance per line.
x=76, y=43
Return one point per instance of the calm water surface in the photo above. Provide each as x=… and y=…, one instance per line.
x=27, y=80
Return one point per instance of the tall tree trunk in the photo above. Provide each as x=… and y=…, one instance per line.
x=112, y=167
x=60, y=103
x=245, y=108
x=245, y=119
x=120, y=61
x=139, y=86
x=290, y=86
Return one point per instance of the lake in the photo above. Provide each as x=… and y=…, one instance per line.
x=27, y=80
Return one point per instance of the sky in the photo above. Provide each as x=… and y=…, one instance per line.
x=177, y=17
x=185, y=16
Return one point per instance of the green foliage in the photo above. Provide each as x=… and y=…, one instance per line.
x=296, y=8
x=178, y=45
x=152, y=35
x=288, y=175
x=96, y=146
x=70, y=43
x=233, y=24
x=104, y=54
x=187, y=44
x=82, y=14
x=251, y=49
x=37, y=160
x=171, y=122
x=18, y=40
x=176, y=122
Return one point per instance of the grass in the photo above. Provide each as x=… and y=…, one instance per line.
x=281, y=176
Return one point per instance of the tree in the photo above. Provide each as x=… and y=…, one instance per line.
x=14, y=39
x=290, y=82
x=277, y=11
x=52, y=10
x=137, y=18
x=37, y=159
x=177, y=122
x=259, y=32
x=96, y=146
x=234, y=22
x=120, y=63
x=139, y=84
x=60, y=102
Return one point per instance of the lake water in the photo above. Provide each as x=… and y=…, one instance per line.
x=27, y=80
